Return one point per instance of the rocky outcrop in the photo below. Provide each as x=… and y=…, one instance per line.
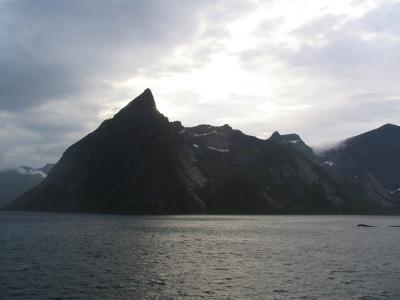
x=293, y=140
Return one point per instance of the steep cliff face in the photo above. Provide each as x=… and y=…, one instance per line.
x=139, y=162
x=370, y=163
x=129, y=164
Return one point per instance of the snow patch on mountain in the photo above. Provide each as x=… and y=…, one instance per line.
x=217, y=149
x=394, y=191
x=205, y=134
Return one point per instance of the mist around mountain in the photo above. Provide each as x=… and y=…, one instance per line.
x=139, y=162
x=15, y=182
x=369, y=164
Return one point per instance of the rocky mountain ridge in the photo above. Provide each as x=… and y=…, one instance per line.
x=139, y=162
x=295, y=141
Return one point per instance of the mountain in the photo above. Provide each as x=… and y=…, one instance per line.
x=129, y=164
x=370, y=163
x=15, y=182
x=139, y=162
x=295, y=141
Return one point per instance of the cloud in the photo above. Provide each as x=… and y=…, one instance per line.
x=50, y=50
x=384, y=20
x=330, y=67
x=57, y=60
x=341, y=65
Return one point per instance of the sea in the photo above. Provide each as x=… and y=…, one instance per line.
x=95, y=256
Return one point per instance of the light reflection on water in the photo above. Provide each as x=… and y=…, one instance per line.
x=258, y=257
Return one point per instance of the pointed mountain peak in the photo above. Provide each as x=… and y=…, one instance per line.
x=276, y=135
x=142, y=103
x=144, y=99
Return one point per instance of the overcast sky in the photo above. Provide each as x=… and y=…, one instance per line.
x=324, y=69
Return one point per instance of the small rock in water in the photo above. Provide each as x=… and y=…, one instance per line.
x=366, y=225
x=280, y=291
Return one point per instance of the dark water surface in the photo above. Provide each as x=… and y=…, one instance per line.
x=85, y=256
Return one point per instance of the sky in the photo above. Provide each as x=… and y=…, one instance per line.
x=324, y=69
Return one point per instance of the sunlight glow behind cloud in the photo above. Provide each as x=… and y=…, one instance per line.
x=319, y=68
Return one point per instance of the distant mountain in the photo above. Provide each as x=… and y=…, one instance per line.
x=295, y=141
x=370, y=163
x=15, y=182
x=139, y=162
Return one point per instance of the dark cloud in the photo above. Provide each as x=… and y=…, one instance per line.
x=58, y=57
x=53, y=49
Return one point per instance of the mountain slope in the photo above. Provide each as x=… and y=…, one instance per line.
x=15, y=182
x=139, y=162
x=128, y=164
x=249, y=175
x=295, y=141
x=370, y=162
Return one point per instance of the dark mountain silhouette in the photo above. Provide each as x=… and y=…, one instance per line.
x=129, y=164
x=295, y=141
x=15, y=182
x=370, y=164
x=139, y=162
